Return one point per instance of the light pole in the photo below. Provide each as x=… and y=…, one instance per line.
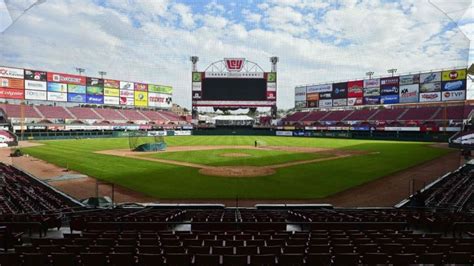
x=80, y=70
x=194, y=60
x=274, y=60
x=102, y=74
x=369, y=73
x=392, y=71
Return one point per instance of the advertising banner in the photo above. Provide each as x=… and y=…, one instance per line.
x=95, y=82
x=389, y=81
x=325, y=103
x=66, y=78
x=159, y=100
x=458, y=74
x=14, y=73
x=389, y=90
x=76, y=98
x=57, y=96
x=312, y=96
x=141, y=87
x=453, y=85
x=57, y=87
x=35, y=75
x=197, y=95
x=409, y=93
x=35, y=95
x=284, y=133
x=300, y=104
x=430, y=77
x=374, y=91
x=271, y=77
x=110, y=83
x=319, y=88
x=96, y=99
x=430, y=87
x=355, y=88
x=35, y=85
x=125, y=85
x=409, y=79
x=339, y=102
x=355, y=101
x=111, y=92
x=141, y=98
x=430, y=97
x=300, y=94
x=111, y=100
x=18, y=84
x=371, y=83
x=128, y=94
x=126, y=101
x=339, y=90
x=95, y=90
x=453, y=95
x=197, y=86
x=197, y=76
x=371, y=100
x=389, y=99
x=271, y=95
x=12, y=94
x=270, y=87
x=312, y=104
x=160, y=89
x=72, y=88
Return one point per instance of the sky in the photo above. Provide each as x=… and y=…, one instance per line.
x=316, y=41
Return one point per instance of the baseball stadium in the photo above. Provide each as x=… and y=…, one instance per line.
x=214, y=135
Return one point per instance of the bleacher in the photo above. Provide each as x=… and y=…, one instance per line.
x=84, y=113
x=53, y=112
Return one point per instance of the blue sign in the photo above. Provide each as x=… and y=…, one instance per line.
x=298, y=133
x=76, y=98
x=456, y=85
x=97, y=99
x=389, y=89
x=57, y=87
x=361, y=128
x=389, y=99
x=372, y=100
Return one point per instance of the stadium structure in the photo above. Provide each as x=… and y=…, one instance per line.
x=369, y=171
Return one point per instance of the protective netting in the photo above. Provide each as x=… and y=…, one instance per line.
x=141, y=141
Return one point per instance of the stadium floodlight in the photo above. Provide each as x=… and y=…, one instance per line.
x=80, y=70
x=274, y=60
x=102, y=74
x=470, y=72
x=369, y=73
x=392, y=71
x=194, y=59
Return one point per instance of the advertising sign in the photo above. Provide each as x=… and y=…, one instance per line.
x=159, y=100
x=14, y=73
x=389, y=99
x=126, y=101
x=197, y=95
x=35, y=95
x=96, y=99
x=430, y=87
x=197, y=86
x=339, y=90
x=430, y=77
x=76, y=98
x=95, y=82
x=319, y=88
x=300, y=104
x=72, y=88
x=110, y=83
x=371, y=100
x=66, y=78
x=453, y=85
x=389, y=81
x=339, y=102
x=57, y=96
x=127, y=94
x=111, y=92
x=300, y=94
x=141, y=98
x=284, y=133
x=409, y=79
x=409, y=93
x=355, y=88
x=312, y=104
x=312, y=96
x=111, y=100
x=125, y=85
x=453, y=95
x=141, y=87
x=389, y=89
x=197, y=76
x=271, y=77
x=57, y=87
x=458, y=74
x=11, y=93
x=325, y=103
x=355, y=101
x=430, y=97
x=271, y=95
x=35, y=85
x=160, y=89
x=371, y=83
x=18, y=84
x=270, y=87
x=374, y=91
x=35, y=75
x=325, y=95
x=95, y=90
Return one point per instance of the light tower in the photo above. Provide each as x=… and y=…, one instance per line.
x=369, y=73
x=102, y=74
x=392, y=71
x=274, y=60
x=80, y=70
x=194, y=60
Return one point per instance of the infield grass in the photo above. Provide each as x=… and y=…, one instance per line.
x=303, y=181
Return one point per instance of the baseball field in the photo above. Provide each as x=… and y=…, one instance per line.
x=225, y=167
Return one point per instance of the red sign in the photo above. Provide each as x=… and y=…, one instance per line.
x=453, y=75
x=141, y=87
x=66, y=78
x=234, y=64
x=355, y=88
x=12, y=94
x=110, y=83
x=12, y=83
x=271, y=95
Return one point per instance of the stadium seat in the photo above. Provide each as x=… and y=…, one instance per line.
x=150, y=259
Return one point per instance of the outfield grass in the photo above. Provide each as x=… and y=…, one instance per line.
x=296, y=182
x=253, y=158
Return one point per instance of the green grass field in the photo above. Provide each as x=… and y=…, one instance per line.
x=303, y=181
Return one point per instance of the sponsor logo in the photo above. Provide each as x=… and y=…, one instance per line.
x=112, y=83
x=371, y=100
x=454, y=95
x=429, y=78
x=196, y=95
x=197, y=76
x=35, y=75
x=271, y=95
x=35, y=95
x=459, y=74
x=389, y=99
x=409, y=79
x=11, y=93
x=355, y=101
x=371, y=91
x=35, y=85
x=326, y=95
x=77, y=98
x=319, y=88
x=453, y=85
x=95, y=99
x=453, y=75
x=430, y=97
x=431, y=87
x=368, y=83
x=389, y=81
x=389, y=90
x=234, y=64
x=57, y=96
x=141, y=87
x=59, y=78
x=11, y=73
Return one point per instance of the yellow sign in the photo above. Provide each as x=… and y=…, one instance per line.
x=111, y=92
x=141, y=98
x=453, y=75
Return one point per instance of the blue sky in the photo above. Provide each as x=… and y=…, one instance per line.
x=317, y=41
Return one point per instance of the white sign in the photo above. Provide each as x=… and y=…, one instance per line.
x=127, y=101
x=197, y=86
x=159, y=100
x=453, y=95
x=9, y=72
x=271, y=86
x=409, y=79
x=430, y=77
x=111, y=100
x=35, y=95
x=127, y=94
x=355, y=101
x=124, y=85
x=57, y=96
x=182, y=133
x=409, y=93
x=325, y=103
x=371, y=83
x=300, y=94
x=339, y=102
x=35, y=85
x=284, y=133
x=319, y=88
x=430, y=97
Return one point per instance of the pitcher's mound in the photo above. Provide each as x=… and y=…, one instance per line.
x=237, y=171
x=235, y=154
